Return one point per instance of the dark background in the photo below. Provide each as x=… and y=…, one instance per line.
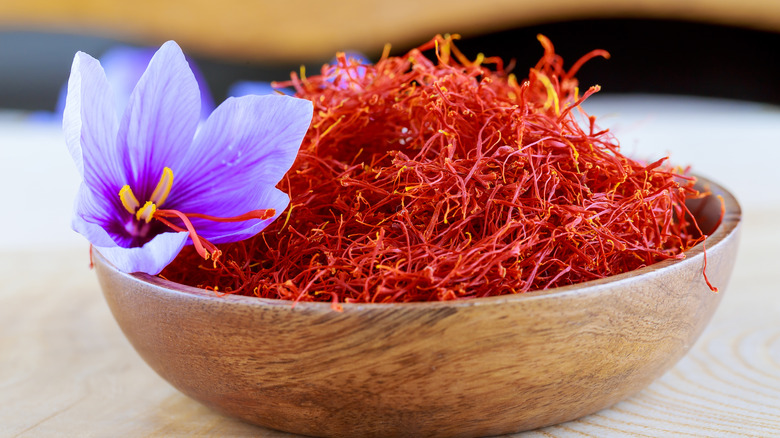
x=648, y=56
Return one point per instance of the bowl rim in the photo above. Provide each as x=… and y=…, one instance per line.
x=728, y=226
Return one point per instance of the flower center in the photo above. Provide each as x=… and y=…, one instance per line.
x=151, y=210
x=159, y=195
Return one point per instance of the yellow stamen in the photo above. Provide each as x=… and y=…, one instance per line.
x=129, y=201
x=146, y=212
x=480, y=59
x=386, y=51
x=512, y=80
x=552, y=95
x=163, y=189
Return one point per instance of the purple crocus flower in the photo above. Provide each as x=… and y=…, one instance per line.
x=124, y=66
x=347, y=64
x=151, y=184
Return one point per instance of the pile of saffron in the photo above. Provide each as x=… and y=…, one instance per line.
x=445, y=178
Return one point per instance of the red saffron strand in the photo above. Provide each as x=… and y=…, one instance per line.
x=441, y=179
x=254, y=214
x=704, y=267
x=203, y=247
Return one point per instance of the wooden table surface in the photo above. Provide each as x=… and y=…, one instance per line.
x=66, y=369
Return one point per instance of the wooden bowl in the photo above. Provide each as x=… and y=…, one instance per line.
x=468, y=368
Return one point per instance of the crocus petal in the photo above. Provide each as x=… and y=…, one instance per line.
x=345, y=77
x=90, y=126
x=161, y=118
x=247, y=142
x=354, y=57
x=124, y=66
x=150, y=258
x=252, y=198
x=93, y=216
x=249, y=88
x=95, y=220
x=62, y=98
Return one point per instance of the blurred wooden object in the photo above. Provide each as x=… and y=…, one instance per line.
x=300, y=30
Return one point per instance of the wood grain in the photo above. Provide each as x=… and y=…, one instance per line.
x=300, y=30
x=729, y=384
x=66, y=369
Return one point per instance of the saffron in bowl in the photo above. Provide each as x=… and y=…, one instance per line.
x=463, y=254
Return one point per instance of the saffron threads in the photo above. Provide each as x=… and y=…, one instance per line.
x=448, y=178
x=203, y=247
